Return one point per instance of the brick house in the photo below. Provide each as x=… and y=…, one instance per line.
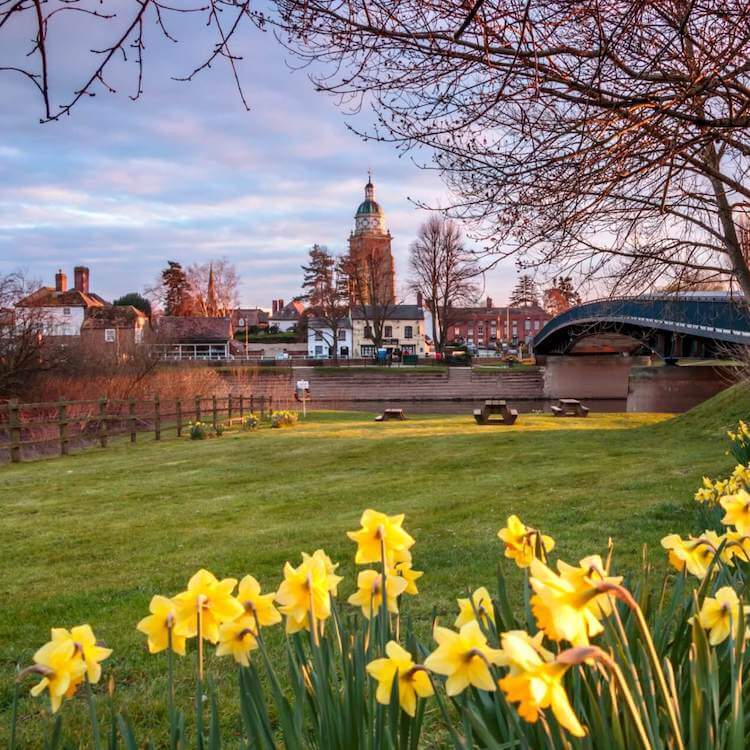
x=249, y=318
x=116, y=330
x=488, y=326
x=285, y=317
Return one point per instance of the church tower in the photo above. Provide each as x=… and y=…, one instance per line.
x=370, y=252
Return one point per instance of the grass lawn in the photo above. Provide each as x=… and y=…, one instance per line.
x=90, y=537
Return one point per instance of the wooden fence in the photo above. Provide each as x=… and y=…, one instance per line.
x=54, y=427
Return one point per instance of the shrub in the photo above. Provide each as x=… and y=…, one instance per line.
x=198, y=430
x=283, y=418
x=580, y=661
x=250, y=422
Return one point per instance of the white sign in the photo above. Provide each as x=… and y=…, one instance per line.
x=241, y=322
x=303, y=385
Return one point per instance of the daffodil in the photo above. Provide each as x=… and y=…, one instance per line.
x=369, y=594
x=523, y=543
x=535, y=681
x=213, y=599
x=568, y=605
x=379, y=533
x=86, y=648
x=413, y=680
x=693, y=554
x=737, y=509
x=737, y=545
x=260, y=606
x=305, y=593
x=722, y=614
x=330, y=567
x=160, y=624
x=238, y=638
x=477, y=606
x=464, y=658
x=405, y=570
x=61, y=668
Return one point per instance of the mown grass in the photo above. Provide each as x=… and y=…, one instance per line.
x=89, y=538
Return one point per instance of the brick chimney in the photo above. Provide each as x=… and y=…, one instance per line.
x=273, y=307
x=419, y=300
x=489, y=303
x=61, y=282
x=281, y=305
x=81, y=279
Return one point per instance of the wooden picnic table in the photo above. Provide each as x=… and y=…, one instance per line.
x=569, y=407
x=494, y=408
x=390, y=414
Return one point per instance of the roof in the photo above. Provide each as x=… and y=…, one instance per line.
x=113, y=316
x=291, y=311
x=252, y=316
x=392, y=312
x=319, y=324
x=189, y=329
x=369, y=206
x=47, y=296
x=461, y=313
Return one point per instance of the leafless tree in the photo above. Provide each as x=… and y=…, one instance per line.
x=115, y=36
x=214, y=288
x=605, y=138
x=444, y=272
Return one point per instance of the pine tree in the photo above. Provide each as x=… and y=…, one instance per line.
x=177, y=300
x=525, y=293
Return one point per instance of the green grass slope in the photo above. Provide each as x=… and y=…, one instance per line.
x=90, y=537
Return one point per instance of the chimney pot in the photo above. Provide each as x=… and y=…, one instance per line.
x=489, y=302
x=61, y=282
x=81, y=279
x=281, y=305
x=419, y=300
x=273, y=307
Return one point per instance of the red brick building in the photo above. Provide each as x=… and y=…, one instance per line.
x=486, y=327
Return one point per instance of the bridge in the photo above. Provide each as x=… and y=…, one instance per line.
x=685, y=324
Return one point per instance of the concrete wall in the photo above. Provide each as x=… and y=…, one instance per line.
x=675, y=389
x=598, y=376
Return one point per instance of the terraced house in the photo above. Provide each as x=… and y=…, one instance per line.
x=403, y=328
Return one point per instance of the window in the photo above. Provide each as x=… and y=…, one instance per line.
x=367, y=350
x=342, y=333
x=318, y=336
x=408, y=332
x=456, y=331
x=537, y=325
x=110, y=335
x=319, y=351
x=368, y=332
x=388, y=332
x=527, y=325
x=66, y=311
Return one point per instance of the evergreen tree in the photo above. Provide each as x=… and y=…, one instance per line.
x=525, y=293
x=177, y=299
x=136, y=300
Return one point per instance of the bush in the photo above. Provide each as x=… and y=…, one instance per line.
x=250, y=422
x=579, y=661
x=198, y=430
x=283, y=418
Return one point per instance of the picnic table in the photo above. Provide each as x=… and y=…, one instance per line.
x=390, y=414
x=569, y=407
x=495, y=411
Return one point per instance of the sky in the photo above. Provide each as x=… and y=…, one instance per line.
x=185, y=173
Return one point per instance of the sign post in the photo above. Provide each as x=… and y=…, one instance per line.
x=302, y=393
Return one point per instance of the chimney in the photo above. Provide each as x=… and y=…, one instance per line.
x=419, y=300
x=281, y=305
x=61, y=282
x=489, y=303
x=273, y=307
x=81, y=279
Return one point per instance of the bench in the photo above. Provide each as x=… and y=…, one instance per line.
x=570, y=407
x=494, y=408
x=390, y=414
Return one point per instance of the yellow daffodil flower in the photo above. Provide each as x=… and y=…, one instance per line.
x=61, y=668
x=737, y=509
x=413, y=680
x=305, y=592
x=238, y=638
x=535, y=681
x=480, y=603
x=693, y=554
x=86, y=648
x=369, y=594
x=214, y=600
x=522, y=543
x=464, y=658
x=330, y=567
x=159, y=623
x=379, y=532
x=721, y=615
x=568, y=606
x=260, y=606
x=738, y=545
x=410, y=575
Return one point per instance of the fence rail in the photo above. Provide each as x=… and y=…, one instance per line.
x=50, y=427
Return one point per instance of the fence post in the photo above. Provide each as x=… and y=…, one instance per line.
x=178, y=415
x=62, y=421
x=131, y=410
x=103, y=426
x=252, y=404
x=213, y=410
x=229, y=407
x=262, y=407
x=270, y=406
x=197, y=408
x=14, y=424
x=242, y=405
x=157, y=418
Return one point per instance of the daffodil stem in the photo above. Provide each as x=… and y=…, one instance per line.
x=620, y=677
x=170, y=690
x=200, y=643
x=92, y=712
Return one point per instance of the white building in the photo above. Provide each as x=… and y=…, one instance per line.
x=403, y=329
x=320, y=339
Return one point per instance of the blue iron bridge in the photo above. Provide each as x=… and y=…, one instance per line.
x=688, y=324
